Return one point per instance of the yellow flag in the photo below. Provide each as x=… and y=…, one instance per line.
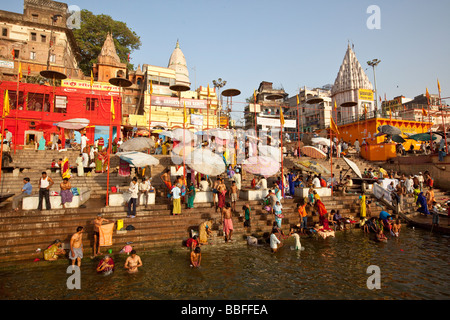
x=428, y=95
x=184, y=112
x=208, y=90
x=113, y=113
x=92, y=80
x=6, y=104
x=20, y=71
x=333, y=126
x=335, y=106
x=298, y=102
x=281, y=117
x=439, y=87
x=254, y=96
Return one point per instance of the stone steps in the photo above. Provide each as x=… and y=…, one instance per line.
x=22, y=233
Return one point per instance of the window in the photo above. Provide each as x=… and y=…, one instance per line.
x=38, y=102
x=32, y=55
x=33, y=36
x=164, y=81
x=34, y=17
x=16, y=53
x=4, y=32
x=91, y=104
x=60, y=104
x=52, y=58
x=13, y=99
x=43, y=38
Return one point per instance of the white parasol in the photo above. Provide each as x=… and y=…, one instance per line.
x=137, y=144
x=221, y=134
x=269, y=151
x=182, y=135
x=73, y=124
x=206, y=162
x=353, y=166
x=138, y=159
x=264, y=166
x=320, y=140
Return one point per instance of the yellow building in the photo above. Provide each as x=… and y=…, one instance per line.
x=164, y=108
x=378, y=150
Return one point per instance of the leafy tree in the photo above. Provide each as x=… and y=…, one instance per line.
x=92, y=34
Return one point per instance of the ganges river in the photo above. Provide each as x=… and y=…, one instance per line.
x=414, y=266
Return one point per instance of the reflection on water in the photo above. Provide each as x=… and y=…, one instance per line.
x=415, y=266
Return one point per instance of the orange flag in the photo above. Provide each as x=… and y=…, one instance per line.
x=281, y=117
x=424, y=112
x=333, y=126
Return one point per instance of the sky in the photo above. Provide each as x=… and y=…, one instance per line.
x=291, y=43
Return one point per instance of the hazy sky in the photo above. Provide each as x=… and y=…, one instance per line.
x=290, y=43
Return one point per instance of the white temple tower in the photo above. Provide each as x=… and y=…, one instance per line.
x=346, y=90
x=177, y=62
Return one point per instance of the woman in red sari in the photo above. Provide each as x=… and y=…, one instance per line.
x=323, y=214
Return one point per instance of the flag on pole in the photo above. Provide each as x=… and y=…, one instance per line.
x=208, y=91
x=281, y=117
x=19, y=74
x=254, y=97
x=6, y=104
x=92, y=80
x=439, y=86
x=13, y=54
x=365, y=108
x=113, y=113
x=298, y=102
x=335, y=105
x=428, y=96
x=333, y=126
x=184, y=113
x=424, y=112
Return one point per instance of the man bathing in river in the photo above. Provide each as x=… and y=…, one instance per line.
x=76, y=247
x=227, y=222
x=133, y=262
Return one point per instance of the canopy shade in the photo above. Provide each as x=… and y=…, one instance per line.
x=389, y=130
x=422, y=137
x=138, y=159
x=313, y=152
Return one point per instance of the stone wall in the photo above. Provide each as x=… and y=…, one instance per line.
x=440, y=171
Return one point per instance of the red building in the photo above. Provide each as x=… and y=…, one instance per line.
x=40, y=107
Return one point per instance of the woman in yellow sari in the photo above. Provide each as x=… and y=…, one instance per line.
x=52, y=252
x=65, y=171
x=204, y=231
x=362, y=206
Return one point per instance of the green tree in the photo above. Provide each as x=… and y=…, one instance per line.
x=92, y=34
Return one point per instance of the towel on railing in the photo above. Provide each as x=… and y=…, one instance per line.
x=106, y=233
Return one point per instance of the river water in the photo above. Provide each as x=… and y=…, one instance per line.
x=413, y=266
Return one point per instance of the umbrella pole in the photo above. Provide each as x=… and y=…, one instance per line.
x=150, y=118
x=443, y=121
x=1, y=150
x=331, y=158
